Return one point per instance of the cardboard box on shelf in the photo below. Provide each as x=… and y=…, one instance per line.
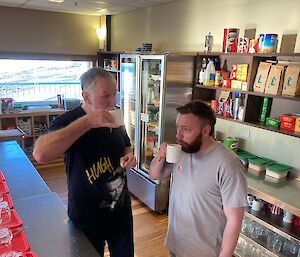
x=291, y=83
x=261, y=77
x=275, y=80
x=288, y=121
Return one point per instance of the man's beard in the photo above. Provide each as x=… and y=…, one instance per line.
x=194, y=147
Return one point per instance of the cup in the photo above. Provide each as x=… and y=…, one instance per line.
x=5, y=239
x=12, y=254
x=5, y=213
x=117, y=115
x=173, y=153
x=250, y=199
x=287, y=217
x=257, y=205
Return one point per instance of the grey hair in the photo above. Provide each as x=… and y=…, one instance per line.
x=88, y=79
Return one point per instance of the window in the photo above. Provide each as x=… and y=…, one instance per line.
x=36, y=81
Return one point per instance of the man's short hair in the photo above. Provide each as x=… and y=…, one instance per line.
x=201, y=110
x=87, y=79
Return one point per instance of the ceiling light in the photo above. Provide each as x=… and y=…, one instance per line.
x=56, y=1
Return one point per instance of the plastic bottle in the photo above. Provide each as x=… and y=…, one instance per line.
x=202, y=71
x=208, y=42
x=210, y=74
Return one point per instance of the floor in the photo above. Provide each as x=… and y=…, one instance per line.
x=149, y=228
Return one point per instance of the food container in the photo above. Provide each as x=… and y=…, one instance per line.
x=253, y=45
x=231, y=143
x=244, y=157
x=288, y=121
x=230, y=40
x=258, y=165
x=272, y=122
x=277, y=170
x=267, y=43
x=243, y=45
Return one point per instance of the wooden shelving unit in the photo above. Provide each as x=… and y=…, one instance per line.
x=103, y=59
x=284, y=195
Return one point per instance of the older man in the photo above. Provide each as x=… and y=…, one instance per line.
x=96, y=153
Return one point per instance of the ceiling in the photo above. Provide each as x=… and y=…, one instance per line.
x=89, y=7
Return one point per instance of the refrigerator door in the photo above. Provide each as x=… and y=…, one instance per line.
x=129, y=90
x=150, y=106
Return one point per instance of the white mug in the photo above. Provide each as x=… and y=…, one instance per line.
x=173, y=153
x=118, y=117
x=287, y=217
x=250, y=199
x=257, y=205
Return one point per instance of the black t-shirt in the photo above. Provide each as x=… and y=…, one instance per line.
x=95, y=178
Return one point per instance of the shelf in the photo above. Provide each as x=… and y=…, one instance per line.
x=221, y=88
x=275, y=223
x=112, y=70
x=249, y=54
x=281, y=131
x=287, y=97
x=261, y=247
x=293, y=98
x=33, y=113
x=284, y=195
x=230, y=119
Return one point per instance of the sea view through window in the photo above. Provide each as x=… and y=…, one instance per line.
x=32, y=81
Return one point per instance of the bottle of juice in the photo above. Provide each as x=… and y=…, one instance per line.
x=210, y=72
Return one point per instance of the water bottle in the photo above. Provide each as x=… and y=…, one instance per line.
x=210, y=72
x=208, y=42
x=202, y=71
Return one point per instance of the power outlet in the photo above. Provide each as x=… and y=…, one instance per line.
x=244, y=133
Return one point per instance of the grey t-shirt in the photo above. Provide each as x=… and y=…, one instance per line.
x=201, y=185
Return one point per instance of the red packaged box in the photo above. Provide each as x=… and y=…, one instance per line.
x=288, y=122
x=233, y=71
x=230, y=40
x=243, y=45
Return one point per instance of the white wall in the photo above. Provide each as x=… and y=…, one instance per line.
x=279, y=147
x=181, y=26
x=32, y=31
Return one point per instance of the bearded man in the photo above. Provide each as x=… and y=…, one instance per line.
x=208, y=193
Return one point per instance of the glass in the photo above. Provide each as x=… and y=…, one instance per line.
x=128, y=95
x=255, y=252
x=277, y=244
x=5, y=213
x=5, y=239
x=289, y=247
x=12, y=254
x=151, y=78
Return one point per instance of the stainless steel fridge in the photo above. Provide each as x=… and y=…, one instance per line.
x=151, y=88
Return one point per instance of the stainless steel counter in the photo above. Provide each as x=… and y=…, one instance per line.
x=20, y=175
x=49, y=232
x=285, y=195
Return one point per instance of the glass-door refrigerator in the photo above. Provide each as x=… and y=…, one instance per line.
x=149, y=103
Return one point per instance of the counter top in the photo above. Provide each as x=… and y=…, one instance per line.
x=20, y=175
x=284, y=194
x=49, y=231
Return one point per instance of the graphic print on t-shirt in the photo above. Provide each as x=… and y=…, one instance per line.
x=115, y=184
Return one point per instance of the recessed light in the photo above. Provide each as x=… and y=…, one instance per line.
x=56, y=1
